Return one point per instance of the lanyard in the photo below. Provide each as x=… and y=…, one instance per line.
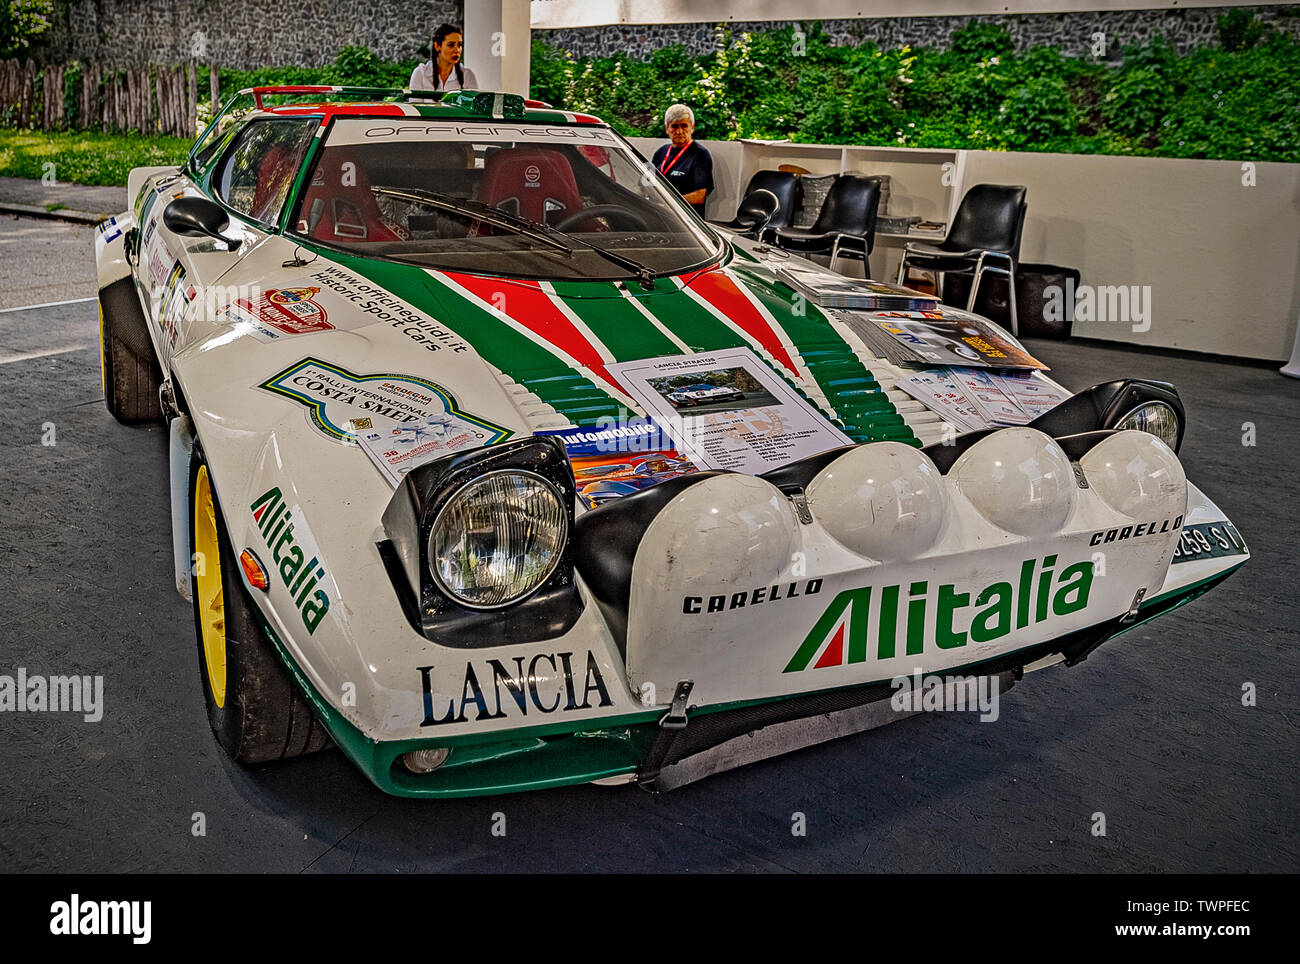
x=668, y=166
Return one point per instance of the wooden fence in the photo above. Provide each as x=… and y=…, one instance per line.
x=151, y=100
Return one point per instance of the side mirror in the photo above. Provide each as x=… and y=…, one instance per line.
x=198, y=217
x=760, y=206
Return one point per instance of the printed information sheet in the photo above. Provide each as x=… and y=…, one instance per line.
x=727, y=410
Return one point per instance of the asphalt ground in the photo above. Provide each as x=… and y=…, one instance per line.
x=1150, y=731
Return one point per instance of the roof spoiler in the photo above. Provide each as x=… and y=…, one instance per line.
x=387, y=93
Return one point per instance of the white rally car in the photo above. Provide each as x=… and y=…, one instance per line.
x=370, y=323
x=701, y=394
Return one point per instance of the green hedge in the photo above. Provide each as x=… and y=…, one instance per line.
x=353, y=67
x=1239, y=99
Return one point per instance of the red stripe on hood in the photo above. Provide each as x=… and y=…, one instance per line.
x=722, y=293
x=525, y=303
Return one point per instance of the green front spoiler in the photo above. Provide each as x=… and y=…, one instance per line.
x=559, y=755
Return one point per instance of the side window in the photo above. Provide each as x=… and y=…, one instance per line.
x=215, y=137
x=257, y=172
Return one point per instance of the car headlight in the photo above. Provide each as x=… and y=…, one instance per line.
x=1125, y=403
x=1154, y=418
x=498, y=538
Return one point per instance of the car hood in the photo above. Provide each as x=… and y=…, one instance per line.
x=555, y=340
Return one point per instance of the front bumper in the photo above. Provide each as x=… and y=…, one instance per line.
x=779, y=596
x=617, y=750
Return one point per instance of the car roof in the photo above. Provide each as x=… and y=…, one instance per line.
x=452, y=105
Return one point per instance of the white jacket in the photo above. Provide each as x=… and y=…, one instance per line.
x=425, y=77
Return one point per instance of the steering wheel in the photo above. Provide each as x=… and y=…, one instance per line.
x=613, y=211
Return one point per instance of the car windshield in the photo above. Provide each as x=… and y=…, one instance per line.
x=520, y=200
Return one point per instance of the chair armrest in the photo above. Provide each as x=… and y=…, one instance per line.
x=913, y=248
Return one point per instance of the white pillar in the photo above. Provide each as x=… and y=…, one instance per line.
x=498, y=44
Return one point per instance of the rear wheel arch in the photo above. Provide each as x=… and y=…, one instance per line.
x=129, y=372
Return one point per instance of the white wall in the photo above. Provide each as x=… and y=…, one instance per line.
x=1222, y=259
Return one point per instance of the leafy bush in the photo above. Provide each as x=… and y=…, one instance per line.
x=353, y=67
x=22, y=22
x=1238, y=100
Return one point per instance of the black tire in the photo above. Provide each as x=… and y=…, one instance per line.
x=130, y=372
x=262, y=716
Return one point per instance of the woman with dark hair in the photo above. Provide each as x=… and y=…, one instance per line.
x=445, y=71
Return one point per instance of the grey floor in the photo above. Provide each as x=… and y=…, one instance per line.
x=1149, y=731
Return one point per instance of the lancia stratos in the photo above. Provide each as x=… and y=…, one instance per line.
x=378, y=330
x=703, y=393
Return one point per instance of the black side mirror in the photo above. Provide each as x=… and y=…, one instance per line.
x=761, y=206
x=198, y=217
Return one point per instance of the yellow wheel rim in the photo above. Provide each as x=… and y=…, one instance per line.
x=209, y=600
x=103, y=359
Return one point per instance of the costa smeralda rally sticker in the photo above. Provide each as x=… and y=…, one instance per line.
x=339, y=401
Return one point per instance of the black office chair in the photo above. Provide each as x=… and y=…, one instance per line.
x=845, y=226
x=986, y=229
x=788, y=189
x=753, y=216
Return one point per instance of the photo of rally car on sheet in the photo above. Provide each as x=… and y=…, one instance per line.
x=318, y=274
x=720, y=391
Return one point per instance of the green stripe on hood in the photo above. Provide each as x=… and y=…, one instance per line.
x=541, y=371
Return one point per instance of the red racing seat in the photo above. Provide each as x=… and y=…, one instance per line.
x=338, y=204
x=530, y=182
x=274, y=177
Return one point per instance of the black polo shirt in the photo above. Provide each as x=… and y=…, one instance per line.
x=690, y=171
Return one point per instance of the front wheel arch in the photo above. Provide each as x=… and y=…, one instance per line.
x=254, y=707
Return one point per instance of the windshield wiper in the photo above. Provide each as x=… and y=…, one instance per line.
x=526, y=226
x=473, y=209
x=644, y=273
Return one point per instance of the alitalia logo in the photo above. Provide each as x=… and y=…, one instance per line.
x=275, y=521
x=899, y=618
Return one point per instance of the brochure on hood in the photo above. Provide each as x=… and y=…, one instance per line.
x=611, y=461
x=975, y=398
x=395, y=450
x=728, y=410
x=831, y=290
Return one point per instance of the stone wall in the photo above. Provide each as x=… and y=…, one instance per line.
x=244, y=34
x=1072, y=32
